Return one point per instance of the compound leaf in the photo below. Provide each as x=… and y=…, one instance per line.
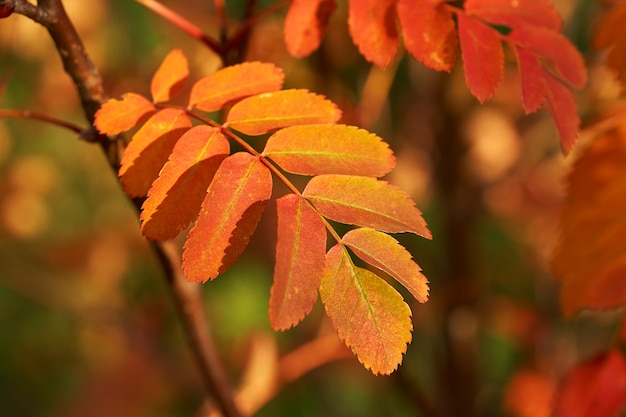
x=305, y=24
x=169, y=80
x=175, y=197
x=329, y=149
x=233, y=83
x=117, y=116
x=372, y=25
x=228, y=216
x=368, y=314
x=300, y=251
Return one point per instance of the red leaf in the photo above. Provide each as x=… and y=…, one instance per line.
x=515, y=13
x=366, y=202
x=229, y=215
x=532, y=80
x=175, y=197
x=117, y=116
x=368, y=314
x=562, y=106
x=230, y=84
x=300, y=250
x=482, y=54
x=149, y=149
x=429, y=32
x=260, y=114
x=169, y=79
x=385, y=253
x=305, y=24
x=372, y=25
x=329, y=149
x=596, y=388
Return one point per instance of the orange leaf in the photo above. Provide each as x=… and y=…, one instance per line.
x=483, y=58
x=368, y=314
x=429, y=33
x=562, y=106
x=169, y=79
x=605, y=37
x=515, y=13
x=590, y=257
x=229, y=215
x=175, y=197
x=385, y=253
x=149, y=149
x=300, y=250
x=305, y=24
x=532, y=80
x=372, y=25
x=596, y=388
x=329, y=149
x=270, y=111
x=366, y=202
x=230, y=84
x=117, y=116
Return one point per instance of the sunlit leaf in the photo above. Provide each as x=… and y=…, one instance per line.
x=372, y=25
x=369, y=315
x=483, y=58
x=329, y=149
x=305, y=24
x=260, y=114
x=385, y=253
x=169, y=79
x=117, y=116
x=229, y=215
x=233, y=83
x=149, y=149
x=366, y=202
x=175, y=197
x=516, y=13
x=300, y=251
x=429, y=32
x=595, y=388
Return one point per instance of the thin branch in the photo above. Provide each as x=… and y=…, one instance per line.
x=29, y=10
x=27, y=114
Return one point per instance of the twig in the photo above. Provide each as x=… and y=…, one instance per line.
x=27, y=114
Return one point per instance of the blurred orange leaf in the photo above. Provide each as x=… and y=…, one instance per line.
x=372, y=25
x=169, y=79
x=305, y=24
x=606, y=37
x=117, y=116
x=529, y=394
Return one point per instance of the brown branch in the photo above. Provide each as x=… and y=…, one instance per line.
x=27, y=114
x=188, y=302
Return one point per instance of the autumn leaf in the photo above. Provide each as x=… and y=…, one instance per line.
x=531, y=73
x=117, y=116
x=329, y=149
x=260, y=114
x=605, y=37
x=562, y=106
x=229, y=215
x=483, y=58
x=372, y=25
x=590, y=257
x=170, y=77
x=366, y=202
x=515, y=13
x=300, y=251
x=149, y=149
x=233, y=83
x=385, y=253
x=595, y=388
x=368, y=314
x=305, y=24
x=175, y=197
x=429, y=32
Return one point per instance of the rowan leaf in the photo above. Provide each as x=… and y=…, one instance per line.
x=605, y=37
x=262, y=113
x=372, y=25
x=590, y=257
x=149, y=149
x=233, y=83
x=531, y=73
x=515, y=13
x=117, y=116
x=305, y=24
x=595, y=388
x=366, y=202
x=385, y=253
x=562, y=106
x=228, y=216
x=329, y=149
x=169, y=79
x=483, y=58
x=175, y=197
x=300, y=251
x=368, y=314
x=429, y=32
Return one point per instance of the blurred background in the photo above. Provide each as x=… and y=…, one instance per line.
x=87, y=327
